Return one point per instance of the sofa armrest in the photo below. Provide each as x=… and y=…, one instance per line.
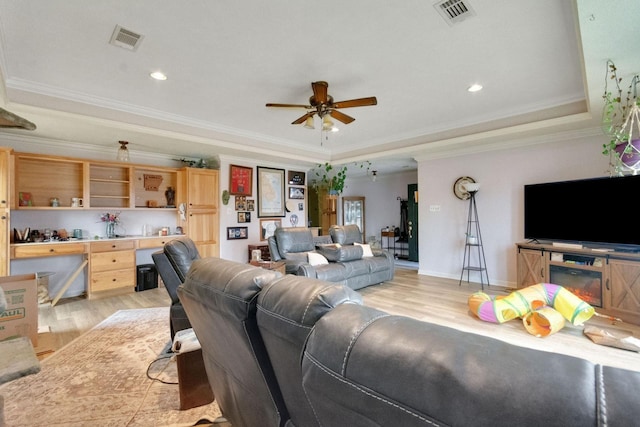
x=306, y=270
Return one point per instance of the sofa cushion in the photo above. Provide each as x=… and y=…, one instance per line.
x=366, y=249
x=339, y=253
x=294, y=240
x=316, y=258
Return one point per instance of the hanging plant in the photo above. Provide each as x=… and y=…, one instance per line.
x=621, y=121
x=333, y=179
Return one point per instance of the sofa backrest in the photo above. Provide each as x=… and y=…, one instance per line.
x=181, y=252
x=362, y=367
x=294, y=241
x=288, y=309
x=345, y=234
x=219, y=297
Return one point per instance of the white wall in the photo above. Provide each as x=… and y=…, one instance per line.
x=502, y=175
x=236, y=250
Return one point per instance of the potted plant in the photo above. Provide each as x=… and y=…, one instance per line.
x=621, y=121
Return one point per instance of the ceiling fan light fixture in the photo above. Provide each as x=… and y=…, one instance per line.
x=327, y=124
x=309, y=123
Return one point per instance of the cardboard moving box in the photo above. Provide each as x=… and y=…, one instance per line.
x=20, y=318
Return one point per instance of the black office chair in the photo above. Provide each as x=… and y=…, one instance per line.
x=173, y=263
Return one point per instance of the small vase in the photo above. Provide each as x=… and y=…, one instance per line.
x=111, y=230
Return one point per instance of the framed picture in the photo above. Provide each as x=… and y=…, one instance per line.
x=236, y=233
x=300, y=206
x=268, y=227
x=270, y=192
x=296, y=178
x=240, y=180
x=241, y=203
x=296, y=192
x=251, y=205
x=244, y=217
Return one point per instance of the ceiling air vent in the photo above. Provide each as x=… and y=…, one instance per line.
x=454, y=11
x=126, y=39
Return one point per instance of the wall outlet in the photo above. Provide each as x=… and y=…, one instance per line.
x=434, y=208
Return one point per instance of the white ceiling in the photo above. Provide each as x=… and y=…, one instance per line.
x=538, y=60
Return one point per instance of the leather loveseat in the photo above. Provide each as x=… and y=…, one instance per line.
x=295, y=351
x=342, y=257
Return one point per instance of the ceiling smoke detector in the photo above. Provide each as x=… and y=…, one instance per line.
x=454, y=11
x=126, y=39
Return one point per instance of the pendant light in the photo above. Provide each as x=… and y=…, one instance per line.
x=123, y=152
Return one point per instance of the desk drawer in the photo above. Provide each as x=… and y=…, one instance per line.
x=116, y=260
x=48, y=249
x=112, y=245
x=155, y=242
x=109, y=280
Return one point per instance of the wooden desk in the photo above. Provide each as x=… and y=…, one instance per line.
x=111, y=262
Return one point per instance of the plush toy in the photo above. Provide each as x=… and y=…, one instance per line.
x=542, y=307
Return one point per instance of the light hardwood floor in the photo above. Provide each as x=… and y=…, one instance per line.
x=431, y=299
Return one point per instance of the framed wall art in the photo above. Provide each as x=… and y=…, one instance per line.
x=240, y=180
x=296, y=192
x=268, y=227
x=251, y=205
x=270, y=192
x=244, y=217
x=241, y=203
x=296, y=178
x=236, y=233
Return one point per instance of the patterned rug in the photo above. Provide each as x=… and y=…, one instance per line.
x=101, y=379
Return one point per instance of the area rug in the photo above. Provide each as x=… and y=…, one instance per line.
x=101, y=379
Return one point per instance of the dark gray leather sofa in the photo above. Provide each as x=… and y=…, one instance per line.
x=173, y=263
x=294, y=351
x=346, y=263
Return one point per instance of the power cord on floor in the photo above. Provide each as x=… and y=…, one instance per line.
x=168, y=356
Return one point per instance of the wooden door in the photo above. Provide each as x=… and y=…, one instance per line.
x=353, y=213
x=531, y=269
x=202, y=188
x=412, y=231
x=5, y=173
x=622, y=290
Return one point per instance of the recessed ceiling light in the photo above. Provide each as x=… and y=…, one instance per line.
x=158, y=75
x=474, y=88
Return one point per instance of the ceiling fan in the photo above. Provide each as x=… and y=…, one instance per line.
x=322, y=104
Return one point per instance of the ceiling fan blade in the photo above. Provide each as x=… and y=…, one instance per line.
x=289, y=105
x=360, y=102
x=341, y=116
x=320, y=92
x=303, y=118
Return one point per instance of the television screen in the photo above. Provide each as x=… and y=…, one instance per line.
x=598, y=210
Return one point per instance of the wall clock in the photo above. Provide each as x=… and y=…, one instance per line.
x=458, y=187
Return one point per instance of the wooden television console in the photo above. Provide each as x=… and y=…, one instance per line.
x=617, y=272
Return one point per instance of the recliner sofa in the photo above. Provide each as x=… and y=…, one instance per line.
x=345, y=259
x=173, y=263
x=295, y=351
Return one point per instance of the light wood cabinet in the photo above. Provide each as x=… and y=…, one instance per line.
x=622, y=290
x=48, y=249
x=112, y=267
x=198, y=191
x=48, y=177
x=531, y=267
x=109, y=186
x=155, y=242
x=5, y=174
x=100, y=184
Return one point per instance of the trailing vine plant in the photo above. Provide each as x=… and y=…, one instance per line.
x=333, y=178
x=616, y=115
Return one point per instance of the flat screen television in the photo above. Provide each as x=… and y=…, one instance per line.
x=597, y=210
